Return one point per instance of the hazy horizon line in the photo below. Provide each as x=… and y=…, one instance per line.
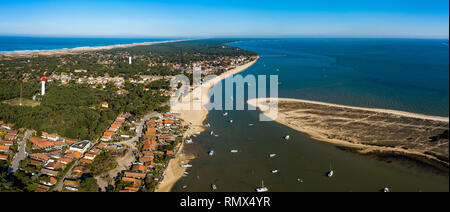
x=225, y=36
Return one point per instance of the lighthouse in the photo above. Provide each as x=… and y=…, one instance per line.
x=43, y=86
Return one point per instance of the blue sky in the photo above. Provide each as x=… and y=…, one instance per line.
x=226, y=18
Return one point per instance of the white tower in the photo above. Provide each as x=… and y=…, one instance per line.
x=129, y=60
x=43, y=86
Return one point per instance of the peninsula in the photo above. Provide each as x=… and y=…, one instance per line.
x=367, y=130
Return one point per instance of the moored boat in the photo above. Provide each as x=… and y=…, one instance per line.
x=262, y=188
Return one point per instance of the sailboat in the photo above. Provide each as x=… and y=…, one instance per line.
x=262, y=188
x=331, y=172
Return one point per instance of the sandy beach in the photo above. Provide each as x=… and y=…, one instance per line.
x=78, y=50
x=195, y=119
x=366, y=130
x=264, y=107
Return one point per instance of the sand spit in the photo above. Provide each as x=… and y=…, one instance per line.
x=367, y=130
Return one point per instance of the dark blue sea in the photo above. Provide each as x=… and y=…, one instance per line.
x=20, y=44
x=402, y=74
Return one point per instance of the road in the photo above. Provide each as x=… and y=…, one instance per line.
x=61, y=183
x=22, y=151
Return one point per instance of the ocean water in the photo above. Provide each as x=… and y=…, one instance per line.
x=408, y=75
x=20, y=44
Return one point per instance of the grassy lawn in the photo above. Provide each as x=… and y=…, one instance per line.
x=25, y=102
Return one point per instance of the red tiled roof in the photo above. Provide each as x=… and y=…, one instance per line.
x=3, y=157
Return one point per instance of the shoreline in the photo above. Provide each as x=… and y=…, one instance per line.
x=365, y=149
x=195, y=119
x=78, y=50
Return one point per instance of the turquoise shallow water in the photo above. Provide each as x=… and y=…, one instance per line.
x=408, y=75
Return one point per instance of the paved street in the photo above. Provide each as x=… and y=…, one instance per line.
x=22, y=151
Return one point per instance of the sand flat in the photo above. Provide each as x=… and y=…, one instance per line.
x=368, y=130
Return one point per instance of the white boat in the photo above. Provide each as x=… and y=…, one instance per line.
x=189, y=141
x=262, y=188
x=272, y=155
x=225, y=114
x=299, y=180
x=231, y=121
x=331, y=172
x=216, y=135
x=211, y=152
x=213, y=187
x=386, y=190
x=212, y=133
x=207, y=125
x=186, y=166
x=234, y=151
x=250, y=125
x=287, y=137
x=275, y=171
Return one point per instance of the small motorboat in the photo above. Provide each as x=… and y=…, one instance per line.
x=225, y=114
x=331, y=172
x=386, y=190
x=275, y=171
x=231, y=121
x=189, y=141
x=287, y=137
x=234, y=151
x=213, y=187
x=299, y=180
x=211, y=153
x=250, y=125
x=184, y=187
x=262, y=188
x=186, y=166
x=212, y=133
x=272, y=155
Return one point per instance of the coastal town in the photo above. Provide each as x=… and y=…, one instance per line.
x=133, y=151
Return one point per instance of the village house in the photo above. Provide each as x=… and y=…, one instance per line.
x=3, y=157
x=49, y=172
x=42, y=188
x=6, y=143
x=4, y=149
x=71, y=185
x=80, y=146
x=52, y=181
x=40, y=157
